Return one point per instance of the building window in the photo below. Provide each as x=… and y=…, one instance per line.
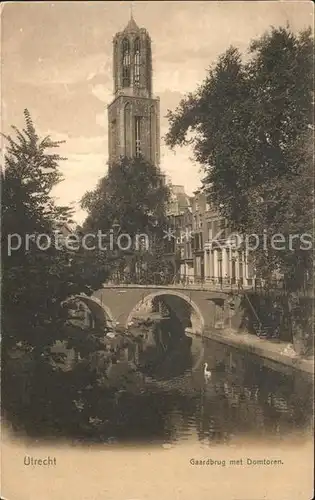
x=113, y=138
x=116, y=70
x=148, y=67
x=197, y=242
x=126, y=63
x=190, y=247
x=209, y=231
x=127, y=115
x=215, y=230
x=152, y=135
x=223, y=229
x=138, y=136
x=219, y=264
x=137, y=63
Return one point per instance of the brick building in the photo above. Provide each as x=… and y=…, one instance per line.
x=203, y=248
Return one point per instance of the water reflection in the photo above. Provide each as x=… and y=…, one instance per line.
x=160, y=397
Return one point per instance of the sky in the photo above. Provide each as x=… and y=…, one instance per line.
x=57, y=63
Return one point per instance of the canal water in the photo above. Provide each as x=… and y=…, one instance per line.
x=165, y=399
x=172, y=401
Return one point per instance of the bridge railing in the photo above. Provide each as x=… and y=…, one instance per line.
x=197, y=281
x=178, y=281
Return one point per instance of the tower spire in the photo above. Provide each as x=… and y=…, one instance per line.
x=132, y=25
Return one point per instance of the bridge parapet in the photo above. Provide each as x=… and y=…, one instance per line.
x=210, y=307
x=192, y=286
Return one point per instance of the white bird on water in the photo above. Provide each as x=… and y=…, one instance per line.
x=206, y=372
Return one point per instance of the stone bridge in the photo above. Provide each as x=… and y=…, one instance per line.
x=197, y=309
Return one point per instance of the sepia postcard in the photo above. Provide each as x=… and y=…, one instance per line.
x=157, y=188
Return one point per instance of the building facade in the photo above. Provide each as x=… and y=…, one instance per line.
x=205, y=249
x=179, y=202
x=225, y=261
x=134, y=114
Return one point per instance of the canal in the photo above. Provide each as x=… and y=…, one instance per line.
x=159, y=394
x=241, y=399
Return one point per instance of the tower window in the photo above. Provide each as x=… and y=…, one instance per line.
x=149, y=67
x=138, y=136
x=114, y=138
x=152, y=134
x=137, y=62
x=126, y=63
x=127, y=114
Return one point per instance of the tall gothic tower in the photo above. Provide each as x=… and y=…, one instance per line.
x=134, y=114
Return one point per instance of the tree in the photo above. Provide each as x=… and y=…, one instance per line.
x=252, y=125
x=38, y=274
x=130, y=199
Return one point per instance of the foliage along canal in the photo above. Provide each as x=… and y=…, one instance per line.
x=150, y=385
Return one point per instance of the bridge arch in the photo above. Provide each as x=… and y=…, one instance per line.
x=197, y=321
x=101, y=313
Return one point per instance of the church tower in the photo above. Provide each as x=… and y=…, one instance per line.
x=134, y=114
